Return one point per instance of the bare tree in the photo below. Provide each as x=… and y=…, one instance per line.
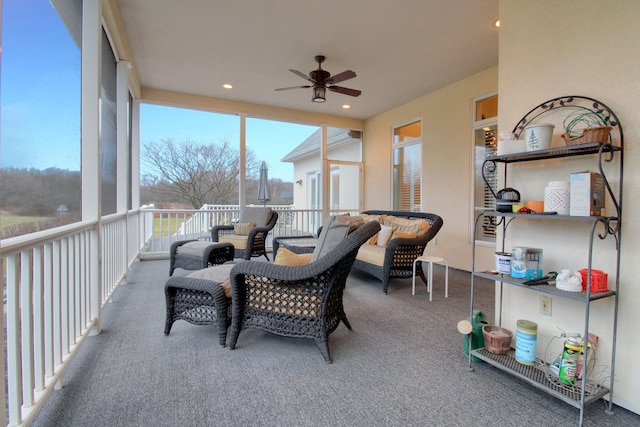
x=196, y=174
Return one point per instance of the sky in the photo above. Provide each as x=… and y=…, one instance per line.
x=269, y=140
x=40, y=74
x=40, y=102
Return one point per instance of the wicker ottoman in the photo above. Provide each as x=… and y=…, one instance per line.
x=198, y=254
x=200, y=298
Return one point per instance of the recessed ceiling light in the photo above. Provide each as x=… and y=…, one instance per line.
x=497, y=23
x=346, y=106
x=227, y=86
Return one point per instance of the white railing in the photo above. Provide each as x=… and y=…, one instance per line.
x=54, y=300
x=171, y=225
x=58, y=280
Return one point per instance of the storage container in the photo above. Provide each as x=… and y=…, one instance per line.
x=497, y=340
x=599, y=280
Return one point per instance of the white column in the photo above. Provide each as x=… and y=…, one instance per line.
x=91, y=165
x=326, y=175
x=135, y=154
x=243, y=161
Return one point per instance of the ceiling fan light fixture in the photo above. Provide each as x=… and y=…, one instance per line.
x=319, y=94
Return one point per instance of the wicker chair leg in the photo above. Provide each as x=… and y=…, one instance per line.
x=170, y=296
x=424, y=279
x=323, y=346
x=385, y=285
x=346, y=322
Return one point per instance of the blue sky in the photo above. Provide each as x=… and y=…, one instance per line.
x=269, y=140
x=40, y=102
x=40, y=91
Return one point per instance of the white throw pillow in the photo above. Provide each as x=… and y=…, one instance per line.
x=384, y=235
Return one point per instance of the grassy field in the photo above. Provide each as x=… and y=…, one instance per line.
x=161, y=226
x=166, y=226
x=7, y=220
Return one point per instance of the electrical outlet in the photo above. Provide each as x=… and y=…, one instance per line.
x=545, y=305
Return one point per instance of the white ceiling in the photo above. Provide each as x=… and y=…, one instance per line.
x=400, y=49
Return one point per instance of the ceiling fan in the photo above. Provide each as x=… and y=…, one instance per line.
x=322, y=80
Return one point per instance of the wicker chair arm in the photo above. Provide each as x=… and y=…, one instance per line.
x=255, y=230
x=218, y=230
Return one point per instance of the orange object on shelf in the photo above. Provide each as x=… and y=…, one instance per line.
x=536, y=205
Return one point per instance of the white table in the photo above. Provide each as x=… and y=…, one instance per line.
x=431, y=260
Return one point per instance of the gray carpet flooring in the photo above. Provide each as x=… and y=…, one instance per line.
x=401, y=365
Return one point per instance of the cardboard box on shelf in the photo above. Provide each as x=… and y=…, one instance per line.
x=586, y=194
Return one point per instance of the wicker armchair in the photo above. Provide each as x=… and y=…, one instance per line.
x=252, y=244
x=399, y=254
x=303, y=301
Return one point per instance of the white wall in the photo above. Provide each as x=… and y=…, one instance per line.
x=446, y=162
x=576, y=47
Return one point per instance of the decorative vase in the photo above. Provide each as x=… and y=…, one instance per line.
x=538, y=137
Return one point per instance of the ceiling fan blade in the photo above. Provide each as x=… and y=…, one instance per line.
x=344, y=90
x=345, y=75
x=295, y=87
x=303, y=75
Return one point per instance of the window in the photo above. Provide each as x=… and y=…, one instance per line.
x=484, y=144
x=281, y=146
x=344, y=151
x=40, y=180
x=188, y=158
x=407, y=167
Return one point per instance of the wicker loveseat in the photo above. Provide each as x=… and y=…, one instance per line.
x=396, y=258
x=297, y=301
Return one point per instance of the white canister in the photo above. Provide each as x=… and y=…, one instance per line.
x=556, y=197
x=538, y=137
x=503, y=262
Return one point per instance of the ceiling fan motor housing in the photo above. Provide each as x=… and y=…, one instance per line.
x=319, y=75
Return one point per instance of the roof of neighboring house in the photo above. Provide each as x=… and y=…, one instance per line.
x=311, y=145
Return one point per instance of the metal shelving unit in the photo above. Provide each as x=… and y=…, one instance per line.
x=583, y=392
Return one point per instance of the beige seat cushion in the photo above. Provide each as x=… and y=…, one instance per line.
x=372, y=254
x=219, y=273
x=195, y=248
x=238, y=242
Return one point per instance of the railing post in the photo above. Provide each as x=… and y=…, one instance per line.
x=95, y=276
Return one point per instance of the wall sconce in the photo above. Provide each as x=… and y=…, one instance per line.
x=318, y=94
x=299, y=182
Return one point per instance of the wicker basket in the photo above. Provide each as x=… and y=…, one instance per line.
x=497, y=340
x=594, y=134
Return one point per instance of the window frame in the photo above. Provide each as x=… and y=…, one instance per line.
x=396, y=143
x=477, y=125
